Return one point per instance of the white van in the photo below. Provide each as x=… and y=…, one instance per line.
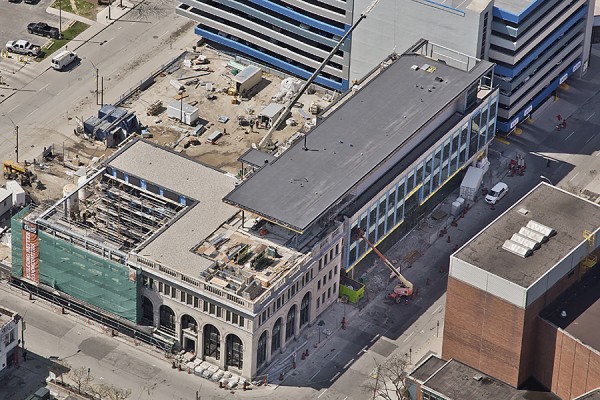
x=62, y=59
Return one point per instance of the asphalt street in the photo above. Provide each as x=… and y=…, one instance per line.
x=44, y=103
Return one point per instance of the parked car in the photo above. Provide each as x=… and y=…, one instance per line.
x=23, y=47
x=496, y=193
x=62, y=59
x=43, y=29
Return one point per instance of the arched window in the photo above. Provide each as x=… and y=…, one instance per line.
x=290, y=324
x=235, y=351
x=276, y=336
x=189, y=323
x=305, y=309
x=212, y=342
x=167, y=319
x=147, y=312
x=261, y=351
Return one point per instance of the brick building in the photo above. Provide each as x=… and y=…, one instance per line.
x=510, y=313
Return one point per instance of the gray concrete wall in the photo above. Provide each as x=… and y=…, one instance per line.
x=395, y=25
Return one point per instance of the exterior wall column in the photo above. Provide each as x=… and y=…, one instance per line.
x=156, y=315
x=223, y=352
x=297, y=323
x=283, y=333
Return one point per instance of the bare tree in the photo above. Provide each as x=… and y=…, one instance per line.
x=99, y=390
x=389, y=382
x=80, y=376
x=115, y=393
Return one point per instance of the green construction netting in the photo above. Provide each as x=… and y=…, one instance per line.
x=16, y=228
x=88, y=277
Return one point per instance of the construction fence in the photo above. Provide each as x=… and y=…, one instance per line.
x=70, y=269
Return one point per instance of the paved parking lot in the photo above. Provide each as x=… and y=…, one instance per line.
x=14, y=18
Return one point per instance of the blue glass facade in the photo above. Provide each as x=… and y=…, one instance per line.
x=529, y=81
x=420, y=181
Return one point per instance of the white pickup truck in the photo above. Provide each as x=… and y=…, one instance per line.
x=23, y=47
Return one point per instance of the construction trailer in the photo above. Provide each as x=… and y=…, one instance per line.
x=247, y=79
x=270, y=114
x=5, y=201
x=18, y=194
x=188, y=116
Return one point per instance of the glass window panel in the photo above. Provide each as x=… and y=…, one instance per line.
x=426, y=187
x=419, y=173
x=410, y=181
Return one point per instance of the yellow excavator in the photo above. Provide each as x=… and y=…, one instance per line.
x=17, y=172
x=405, y=288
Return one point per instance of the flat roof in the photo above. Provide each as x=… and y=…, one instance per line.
x=167, y=169
x=568, y=214
x=581, y=302
x=355, y=139
x=459, y=381
x=424, y=371
x=515, y=7
x=256, y=158
x=593, y=395
x=6, y=316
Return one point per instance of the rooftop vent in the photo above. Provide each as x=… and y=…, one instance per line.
x=516, y=248
x=478, y=377
x=415, y=67
x=525, y=241
x=543, y=229
x=523, y=211
x=438, y=79
x=563, y=314
x=533, y=235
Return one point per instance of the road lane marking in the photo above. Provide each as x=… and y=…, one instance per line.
x=377, y=336
x=574, y=176
x=333, y=379
x=322, y=393
x=163, y=34
x=437, y=310
x=567, y=138
x=348, y=363
x=591, y=115
x=316, y=373
x=589, y=140
x=364, y=349
x=335, y=355
x=408, y=337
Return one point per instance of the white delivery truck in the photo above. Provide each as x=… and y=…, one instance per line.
x=62, y=59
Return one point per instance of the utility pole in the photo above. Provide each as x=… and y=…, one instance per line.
x=17, y=143
x=376, y=381
x=59, y=17
x=97, y=87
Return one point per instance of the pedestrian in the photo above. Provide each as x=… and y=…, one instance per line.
x=24, y=355
x=547, y=163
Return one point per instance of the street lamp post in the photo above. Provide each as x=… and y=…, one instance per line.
x=59, y=18
x=549, y=181
x=16, y=128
